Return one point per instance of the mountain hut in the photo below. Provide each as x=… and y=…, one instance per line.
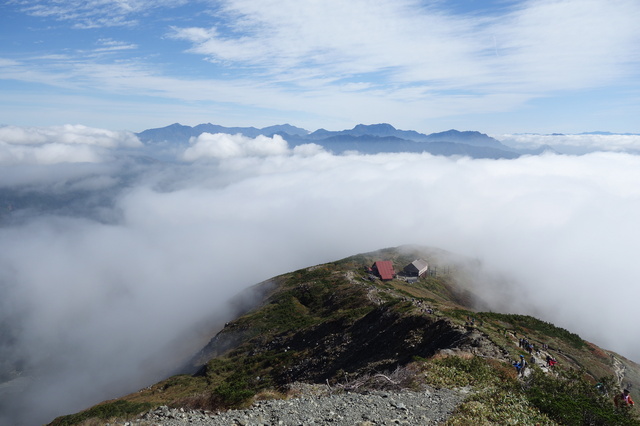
x=417, y=268
x=384, y=268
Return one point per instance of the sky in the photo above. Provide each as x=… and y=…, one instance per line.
x=500, y=66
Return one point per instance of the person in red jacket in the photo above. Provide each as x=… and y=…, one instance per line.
x=623, y=399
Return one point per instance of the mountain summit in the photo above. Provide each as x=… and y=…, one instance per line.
x=397, y=319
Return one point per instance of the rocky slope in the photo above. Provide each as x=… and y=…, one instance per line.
x=426, y=407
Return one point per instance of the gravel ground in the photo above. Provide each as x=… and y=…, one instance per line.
x=427, y=407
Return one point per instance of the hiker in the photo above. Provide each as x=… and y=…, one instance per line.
x=623, y=399
x=518, y=366
x=523, y=365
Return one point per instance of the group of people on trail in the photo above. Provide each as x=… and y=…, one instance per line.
x=521, y=364
x=471, y=322
x=528, y=346
x=622, y=400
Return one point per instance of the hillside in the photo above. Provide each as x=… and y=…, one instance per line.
x=338, y=324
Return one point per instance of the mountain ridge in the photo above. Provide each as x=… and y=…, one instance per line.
x=339, y=321
x=367, y=139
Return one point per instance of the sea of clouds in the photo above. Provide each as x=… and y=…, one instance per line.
x=575, y=144
x=116, y=266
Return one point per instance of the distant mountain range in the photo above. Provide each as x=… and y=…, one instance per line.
x=366, y=139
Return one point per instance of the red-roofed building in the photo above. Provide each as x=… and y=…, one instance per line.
x=384, y=268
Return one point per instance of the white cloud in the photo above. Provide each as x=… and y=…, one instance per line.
x=308, y=149
x=94, y=13
x=60, y=144
x=401, y=62
x=108, y=45
x=68, y=134
x=535, y=48
x=51, y=153
x=221, y=146
x=187, y=236
x=574, y=143
x=569, y=44
x=333, y=40
x=4, y=62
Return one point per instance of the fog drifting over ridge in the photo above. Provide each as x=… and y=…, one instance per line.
x=99, y=290
x=575, y=144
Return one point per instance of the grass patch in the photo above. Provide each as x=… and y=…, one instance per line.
x=120, y=409
x=235, y=390
x=455, y=371
x=498, y=406
x=524, y=323
x=572, y=400
x=500, y=398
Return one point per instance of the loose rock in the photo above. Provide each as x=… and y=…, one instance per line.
x=427, y=407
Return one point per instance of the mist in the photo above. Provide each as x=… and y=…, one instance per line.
x=114, y=270
x=575, y=144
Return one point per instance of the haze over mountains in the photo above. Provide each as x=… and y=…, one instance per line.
x=366, y=139
x=385, y=138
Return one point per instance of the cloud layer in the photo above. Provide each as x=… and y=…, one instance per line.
x=223, y=146
x=97, y=308
x=578, y=144
x=61, y=144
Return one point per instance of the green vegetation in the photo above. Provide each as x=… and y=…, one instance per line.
x=497, y=397
x=319, y=304
x=455, y=372
x=235, y=379
x=105, y=411
x=525, y=324
x=235, y=390
x=500, y=398
x=572, y=400
x=307, y=297
x=497, y=406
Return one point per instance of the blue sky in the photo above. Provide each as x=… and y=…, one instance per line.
x=498, y=67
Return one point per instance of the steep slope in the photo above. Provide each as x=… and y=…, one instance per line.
x=338, y=321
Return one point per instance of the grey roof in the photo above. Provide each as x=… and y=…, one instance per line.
x=420, y=265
